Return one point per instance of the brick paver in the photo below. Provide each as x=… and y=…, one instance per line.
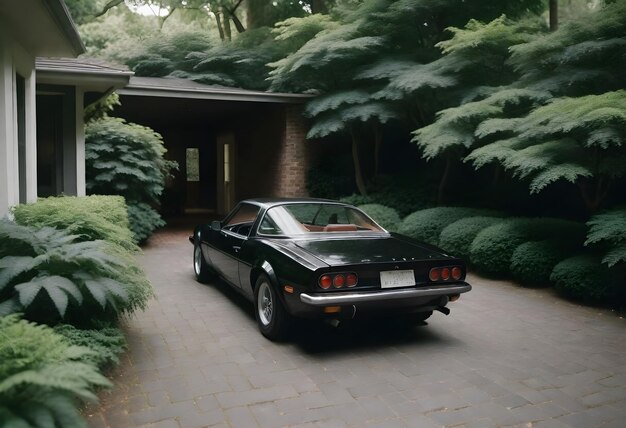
x=506, y=356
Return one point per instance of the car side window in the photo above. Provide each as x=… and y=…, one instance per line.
x=268, y=227
x=241, y=221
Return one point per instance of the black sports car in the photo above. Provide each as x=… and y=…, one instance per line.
x=323, y=259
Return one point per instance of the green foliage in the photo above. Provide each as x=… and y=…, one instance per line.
x=42, y=377
x=492, y=249
x=88, y=217
x=143, y=221
x=127, y=159
x=101, y=108
x=609, y=230
x=567, y=139
x=426, y=225
x=105, y=343
x=532, y=262
x=457, y=237
x=387, y=217
x=584, y=277
x=48, y=275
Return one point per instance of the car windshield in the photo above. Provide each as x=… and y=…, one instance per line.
x=298, y=219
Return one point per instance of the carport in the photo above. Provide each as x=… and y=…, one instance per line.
x=230, y=144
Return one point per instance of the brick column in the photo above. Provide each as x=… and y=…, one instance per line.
x=293, y=157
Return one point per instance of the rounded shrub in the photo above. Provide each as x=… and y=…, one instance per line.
x=457, y=238
x=385, y=216
x=532, y=262
x=143, y=220
x=584, y=277
x=426, y=225
x=492, y=249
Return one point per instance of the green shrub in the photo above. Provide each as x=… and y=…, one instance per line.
x=90, y=217
x=492, y=249
x=457, y=237
x=126, y=159
x=106, y=343
x=42, y=377
x=143, y=220
x=357, y=200
x=50, y=276
x=609, y=231
x=584, y=277
x=532, y=262
x=426, y=225
x=385, y=216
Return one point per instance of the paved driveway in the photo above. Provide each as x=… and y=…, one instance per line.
x=506, y=356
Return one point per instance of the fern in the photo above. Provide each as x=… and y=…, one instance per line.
x=42, y=377
x=83, y=281
x=608, y=230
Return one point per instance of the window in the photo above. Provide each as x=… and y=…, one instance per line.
x=297, y=219
x=241, y=220
x=193, y=164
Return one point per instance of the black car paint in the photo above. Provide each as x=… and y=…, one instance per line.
x=300, y=261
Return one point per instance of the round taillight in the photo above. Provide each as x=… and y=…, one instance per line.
x=325, y=282
x=339, y=281
x=351, y=280
x=457, y=273
x=445, y=274
x=433, y=275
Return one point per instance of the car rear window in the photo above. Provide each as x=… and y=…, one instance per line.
x=298, y=219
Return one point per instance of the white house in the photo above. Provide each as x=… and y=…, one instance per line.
x=42, y=101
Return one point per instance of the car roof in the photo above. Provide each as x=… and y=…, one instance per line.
x=270, y=202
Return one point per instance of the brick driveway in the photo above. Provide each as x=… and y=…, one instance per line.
x=506, y=356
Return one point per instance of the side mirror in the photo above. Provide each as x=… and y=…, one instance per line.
x=216, y=225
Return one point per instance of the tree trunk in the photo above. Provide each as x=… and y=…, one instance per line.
x=256, y=13
x=554, y=15
x=444, y=181
x=226, y=23
x=378, y=140
x=220, y=26
x=593, y=194
x=358, y=174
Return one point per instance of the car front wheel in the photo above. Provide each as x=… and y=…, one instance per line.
x=270, y=313
x=200, y=267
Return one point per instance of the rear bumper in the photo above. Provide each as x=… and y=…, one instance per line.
x=356, y=297
x=396, y=301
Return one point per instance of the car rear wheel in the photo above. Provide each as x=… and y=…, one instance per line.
x=200, y=267
x=270, y=313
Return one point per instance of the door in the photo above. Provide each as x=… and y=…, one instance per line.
x=228, y=242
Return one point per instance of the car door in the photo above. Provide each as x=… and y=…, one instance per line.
x=225, y=255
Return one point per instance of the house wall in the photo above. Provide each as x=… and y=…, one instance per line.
x=18, y=155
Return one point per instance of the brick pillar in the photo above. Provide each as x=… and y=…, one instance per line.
x=292, y=160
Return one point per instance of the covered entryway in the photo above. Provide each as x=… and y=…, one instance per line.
x=230, y=144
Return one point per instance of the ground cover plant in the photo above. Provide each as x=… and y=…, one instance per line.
x=43, y=377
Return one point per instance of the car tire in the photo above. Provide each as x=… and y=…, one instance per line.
x=202, y=270
x=270, y=314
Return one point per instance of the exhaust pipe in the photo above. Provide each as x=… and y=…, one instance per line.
x=443, y=310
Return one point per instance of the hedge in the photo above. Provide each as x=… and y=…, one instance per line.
x=457, y=238
x=91, y=217
x=385, y=216
x=532, y=262
x=585, y=277
x=492, y=249
x=426, y=225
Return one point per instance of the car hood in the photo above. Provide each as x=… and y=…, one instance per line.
x=355, y=250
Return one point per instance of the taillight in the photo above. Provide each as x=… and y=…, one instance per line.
x=325, y=282
x=339, y=281
x=445, y=274
x=351, y=280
